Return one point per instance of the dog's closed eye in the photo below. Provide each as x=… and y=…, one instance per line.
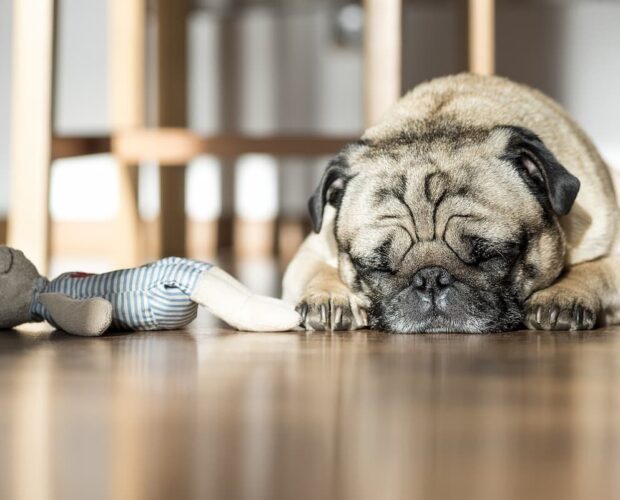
x=372, y=266
x=483, y=250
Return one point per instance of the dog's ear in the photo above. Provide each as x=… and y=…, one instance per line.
x=330, y=190
x=527, y=151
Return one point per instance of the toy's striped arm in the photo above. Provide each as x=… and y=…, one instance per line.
x=232, y=302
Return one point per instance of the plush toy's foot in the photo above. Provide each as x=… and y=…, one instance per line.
x=85, y=317
x=232, y=302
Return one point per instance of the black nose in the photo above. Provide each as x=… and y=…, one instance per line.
x=432, y=279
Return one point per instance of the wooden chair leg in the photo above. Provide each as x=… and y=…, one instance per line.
x=229, y=85
x=382, y=56
x=172, y=112
x=31, y=128
x=127, y=25
x=482, y=36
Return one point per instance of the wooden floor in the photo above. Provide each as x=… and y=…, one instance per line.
x=209, y=413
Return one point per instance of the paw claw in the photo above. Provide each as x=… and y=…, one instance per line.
x=364, y=315
x=553, y=315
x=332, y=311
x=557, y=308
x=577, y=317
x=302, y=309
x=539, y=314
x=337, y=319
x=323, y=309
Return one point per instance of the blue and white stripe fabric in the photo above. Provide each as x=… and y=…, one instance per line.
x=156, y=296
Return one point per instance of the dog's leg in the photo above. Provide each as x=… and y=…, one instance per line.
x=312, y=282
x=587, y=295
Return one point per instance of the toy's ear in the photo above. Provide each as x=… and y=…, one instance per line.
x=528, y=153
x=330, y=190
x=6, y=259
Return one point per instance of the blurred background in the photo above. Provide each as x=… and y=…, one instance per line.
x=201, y=127
x=134, y=129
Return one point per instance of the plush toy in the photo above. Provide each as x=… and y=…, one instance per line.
x=162, y=295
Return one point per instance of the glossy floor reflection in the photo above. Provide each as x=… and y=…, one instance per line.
x=209, y=413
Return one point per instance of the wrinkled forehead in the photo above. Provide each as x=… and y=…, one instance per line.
x=432, y=190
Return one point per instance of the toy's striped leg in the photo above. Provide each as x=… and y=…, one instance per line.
x=86, y=317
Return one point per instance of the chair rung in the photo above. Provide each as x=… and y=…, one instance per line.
x=177, y=146
x=67, y=146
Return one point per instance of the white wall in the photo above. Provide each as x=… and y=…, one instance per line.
x=572, y=53
x=293, y=77
x=5, y=83
x=433, y=37
x=81, y=92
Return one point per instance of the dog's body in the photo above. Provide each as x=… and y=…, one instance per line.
x=462, y=210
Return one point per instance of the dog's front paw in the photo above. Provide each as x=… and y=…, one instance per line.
x=332, y=310
x=561, y=308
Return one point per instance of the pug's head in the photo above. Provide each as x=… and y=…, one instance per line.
x=447, y=228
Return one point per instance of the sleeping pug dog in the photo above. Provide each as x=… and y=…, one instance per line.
x=475, y=205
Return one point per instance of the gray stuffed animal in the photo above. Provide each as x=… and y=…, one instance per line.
x=162, y=295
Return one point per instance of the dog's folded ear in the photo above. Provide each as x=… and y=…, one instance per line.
x=330, y=190
x=527, y=151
